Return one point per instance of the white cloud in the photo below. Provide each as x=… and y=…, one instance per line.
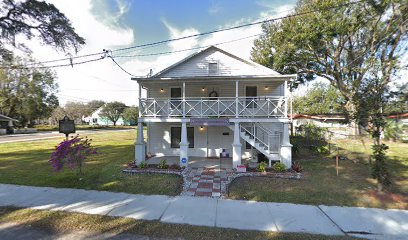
x=101, y=75
x=214, y=8
x=83, y=81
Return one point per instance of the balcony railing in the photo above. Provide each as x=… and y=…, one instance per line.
x=242, y=107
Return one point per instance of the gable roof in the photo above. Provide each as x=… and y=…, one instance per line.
x=257, y=69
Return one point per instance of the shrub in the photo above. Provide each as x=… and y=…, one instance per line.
x=295, y=147
x=261, y=167
x=279, y=167
x=393, y=130
x=174, y=166
x=73, y=153
x=323, y=149
x=163, y=164
x=142, y=164
x=297, y=167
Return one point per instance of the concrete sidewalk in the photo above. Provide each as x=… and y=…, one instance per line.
x=244, y=215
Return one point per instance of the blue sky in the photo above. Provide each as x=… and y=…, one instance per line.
x=146, y=17
x=113, y=24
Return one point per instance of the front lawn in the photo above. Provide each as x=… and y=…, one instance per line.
x=26, y=163
x=320, y=185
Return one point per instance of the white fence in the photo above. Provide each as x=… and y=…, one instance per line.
x=215, y=107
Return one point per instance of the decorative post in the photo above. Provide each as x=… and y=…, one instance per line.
x=236, y=147
x=183, y=145
x=286, y=147
x=140, y=149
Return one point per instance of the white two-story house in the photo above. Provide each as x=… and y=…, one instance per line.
x=213, y=102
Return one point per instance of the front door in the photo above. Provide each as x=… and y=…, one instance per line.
x=175, y=96
x=251, y=92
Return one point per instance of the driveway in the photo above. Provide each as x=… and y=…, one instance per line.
x=50, y=135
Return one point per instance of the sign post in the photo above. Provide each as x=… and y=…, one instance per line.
x=66, y=126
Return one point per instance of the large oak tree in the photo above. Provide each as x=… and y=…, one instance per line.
x=340, y=42
x=36, y=19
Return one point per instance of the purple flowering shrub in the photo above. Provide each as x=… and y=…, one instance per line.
x=72, y=153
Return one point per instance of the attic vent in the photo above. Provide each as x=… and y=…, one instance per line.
x=212, y=68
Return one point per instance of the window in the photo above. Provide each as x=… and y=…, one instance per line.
x=176, y=137
x=251, y=94
x=212, y=68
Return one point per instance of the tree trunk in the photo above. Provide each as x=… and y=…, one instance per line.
x=352, y=113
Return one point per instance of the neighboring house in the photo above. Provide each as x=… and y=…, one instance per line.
x=6, y=124
x=400, y=118
x=214, y=103
x=320, y=120
x=335, y=123
x=96, y=119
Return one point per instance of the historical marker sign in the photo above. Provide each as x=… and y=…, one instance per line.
x=66, y=126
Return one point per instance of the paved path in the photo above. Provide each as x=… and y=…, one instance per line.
x=206, y=182
x=50, y=135
x=213, y=212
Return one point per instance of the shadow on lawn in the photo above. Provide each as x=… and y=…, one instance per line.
x=320, y=185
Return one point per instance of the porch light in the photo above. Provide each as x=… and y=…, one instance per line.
x=201, y=128
x=161, y=90
x=266, y=88
x=203, y=89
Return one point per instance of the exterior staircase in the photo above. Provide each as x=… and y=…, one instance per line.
x=262, y=139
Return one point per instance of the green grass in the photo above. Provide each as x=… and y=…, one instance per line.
x=320, y=185
x=65, y=222
x=42, y=128
x=26, y=163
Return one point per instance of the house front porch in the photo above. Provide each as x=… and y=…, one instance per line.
x=200, y=162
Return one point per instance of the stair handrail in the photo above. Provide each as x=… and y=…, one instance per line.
x=252, y=133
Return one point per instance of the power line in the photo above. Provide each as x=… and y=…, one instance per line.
x=117, y=64
x=238, y=26
x=189, y=36
x=183, y=50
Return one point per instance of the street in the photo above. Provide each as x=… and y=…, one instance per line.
x=50, y=135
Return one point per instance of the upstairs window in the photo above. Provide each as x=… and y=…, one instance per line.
x=212, y=68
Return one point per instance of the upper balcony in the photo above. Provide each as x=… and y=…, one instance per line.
x=215, y=107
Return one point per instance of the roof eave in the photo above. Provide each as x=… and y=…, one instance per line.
x=289, y=77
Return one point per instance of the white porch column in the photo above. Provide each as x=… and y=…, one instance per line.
x=184, y=99
x=236, y=147
x=286, y=147
x=286, y=94
x=183, y=146
x=140, y=144
x=139, y=88
x=236, y=99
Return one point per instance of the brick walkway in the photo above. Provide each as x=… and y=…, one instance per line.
x=207, y=182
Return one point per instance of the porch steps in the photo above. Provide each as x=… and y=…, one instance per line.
x=258, y=145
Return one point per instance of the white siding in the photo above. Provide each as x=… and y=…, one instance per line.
x=159, y=141
x=223, y=89
x=227, y=66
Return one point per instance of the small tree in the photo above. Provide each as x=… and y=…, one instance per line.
x=328, y=97
x=113, y=111
x=72, y=153
x=131, y=115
